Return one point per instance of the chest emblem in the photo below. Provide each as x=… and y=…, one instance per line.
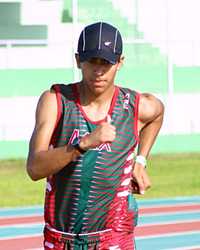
x=76, y=136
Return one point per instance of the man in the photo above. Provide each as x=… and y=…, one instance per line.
x=83, y=143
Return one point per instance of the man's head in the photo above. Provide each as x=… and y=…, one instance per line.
x=100, y=40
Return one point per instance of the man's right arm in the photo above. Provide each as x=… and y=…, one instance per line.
x=44, y=161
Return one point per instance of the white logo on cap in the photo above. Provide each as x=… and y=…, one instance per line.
x=107, y=43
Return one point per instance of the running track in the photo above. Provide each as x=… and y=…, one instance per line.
x=164, y=224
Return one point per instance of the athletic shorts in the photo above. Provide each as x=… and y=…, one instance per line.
x=102, y=240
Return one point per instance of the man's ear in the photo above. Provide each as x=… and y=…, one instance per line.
x=120, y=62
x=78, y=60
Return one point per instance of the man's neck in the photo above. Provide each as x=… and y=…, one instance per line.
x=88, y=98
x=96, y=107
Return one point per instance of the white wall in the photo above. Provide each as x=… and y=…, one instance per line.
x=127, y=9
x=53, y=56
x=170, y=25
x=17, y=119
x=59, y=51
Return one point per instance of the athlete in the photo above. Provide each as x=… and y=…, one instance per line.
x=84, y=140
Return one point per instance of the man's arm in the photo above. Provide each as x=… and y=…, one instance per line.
x=151, y=111
x=44, y=161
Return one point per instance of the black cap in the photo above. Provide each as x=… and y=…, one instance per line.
x=100, y=40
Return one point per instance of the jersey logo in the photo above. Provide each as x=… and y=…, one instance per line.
x=104, y=146
x=126, y=101
x=76, y=135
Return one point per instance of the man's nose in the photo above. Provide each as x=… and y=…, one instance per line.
x=99, y=70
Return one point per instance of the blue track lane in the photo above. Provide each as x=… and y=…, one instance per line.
x=23, y=211
x=169, y=218
x=157, y=242
x=22, y=230
x=168, y=242
x=26, y=229
x=169, y=201
x=38, y=210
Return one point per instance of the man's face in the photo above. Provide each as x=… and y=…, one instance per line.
x=98, y=73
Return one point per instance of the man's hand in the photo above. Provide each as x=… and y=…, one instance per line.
x=104, y=133
x=140, y=182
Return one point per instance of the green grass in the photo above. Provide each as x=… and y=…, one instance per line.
x=174, y=175
x=171, y=176
x=16, y=188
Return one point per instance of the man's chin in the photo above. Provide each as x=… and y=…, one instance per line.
x=98, y=84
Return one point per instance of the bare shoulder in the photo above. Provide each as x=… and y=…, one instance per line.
x=45, y=120
x=150, y=107
x=47, y=106
x=47, y=96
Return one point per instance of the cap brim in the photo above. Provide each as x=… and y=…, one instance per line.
x=106, y=55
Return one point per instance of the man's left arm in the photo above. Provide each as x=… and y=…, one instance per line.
x=150, y=118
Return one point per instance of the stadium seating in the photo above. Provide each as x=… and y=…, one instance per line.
x=104, y=11
x=142, y=60
x=10, y=27
x=26, y=70
x=31, y=82
x=67, y=12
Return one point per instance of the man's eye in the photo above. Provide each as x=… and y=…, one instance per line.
x=92, y=61
x=106, y=62
x=98, y=61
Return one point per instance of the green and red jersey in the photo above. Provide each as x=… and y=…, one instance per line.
x=91, y=193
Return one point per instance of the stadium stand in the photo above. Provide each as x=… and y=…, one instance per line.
x=152, y=59
x=142, y=60
x=138, y=56
x=88, y=12
x=10, y=27
x=67, y=12
x=31, y=82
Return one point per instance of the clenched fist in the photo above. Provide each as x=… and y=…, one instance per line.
x=104, y=133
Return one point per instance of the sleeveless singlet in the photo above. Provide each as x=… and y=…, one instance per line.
x=91, y=193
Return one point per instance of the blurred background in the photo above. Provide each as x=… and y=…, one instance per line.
x=38, y=39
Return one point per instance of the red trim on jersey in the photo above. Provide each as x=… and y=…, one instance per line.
x=49, y=208
x=136, y=110
x=112, y=105
x=75, y=92
x=78, y=102
x=56, y=88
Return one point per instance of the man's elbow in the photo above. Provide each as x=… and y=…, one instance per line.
x=160, y=111
x=32, y=173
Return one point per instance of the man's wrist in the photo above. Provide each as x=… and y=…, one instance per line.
x=78, y=146
x=140, y=159
x=83, y=143
x=79, y=149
